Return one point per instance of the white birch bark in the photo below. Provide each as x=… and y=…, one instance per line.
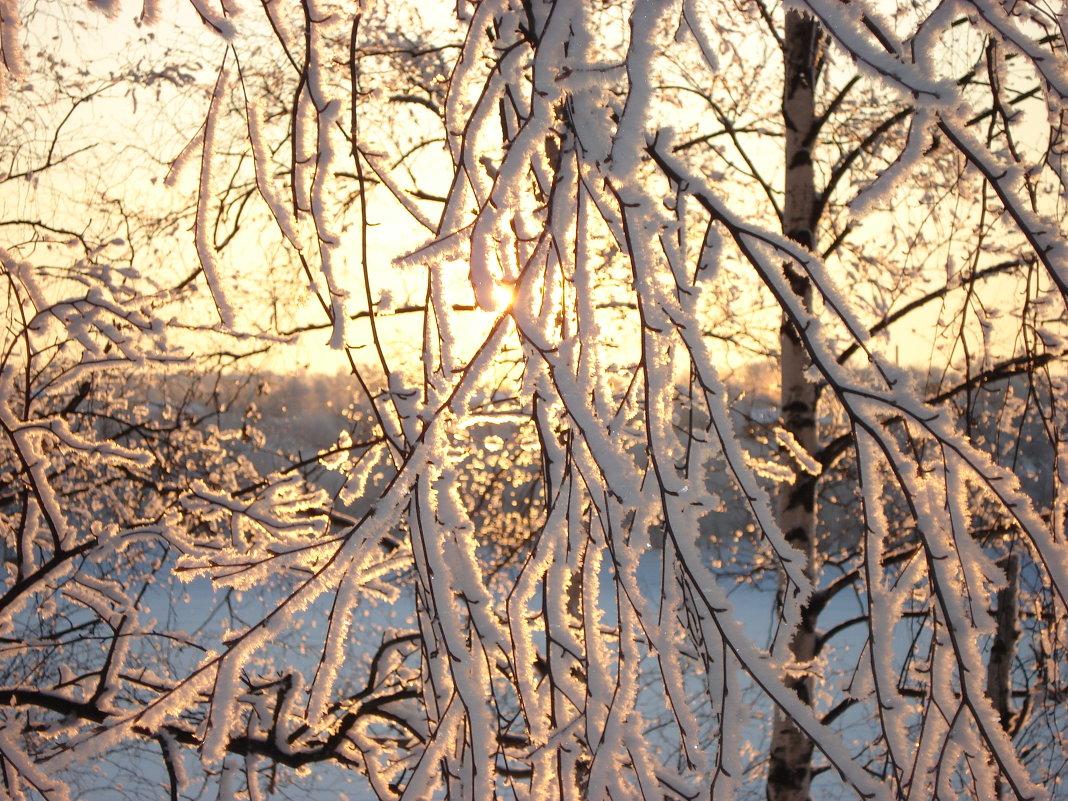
x=790, y=758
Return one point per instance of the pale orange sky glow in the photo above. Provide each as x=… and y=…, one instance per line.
x=142, y=129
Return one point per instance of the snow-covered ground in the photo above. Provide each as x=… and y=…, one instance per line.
x=299, y=416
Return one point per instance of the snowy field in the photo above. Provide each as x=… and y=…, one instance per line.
x=298, y=417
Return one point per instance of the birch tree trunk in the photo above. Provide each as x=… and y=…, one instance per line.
x=1003, y=650
x=790, y=763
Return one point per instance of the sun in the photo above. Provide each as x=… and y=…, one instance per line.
x=502, y=296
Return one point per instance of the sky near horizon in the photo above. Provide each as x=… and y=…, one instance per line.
x=162, y=76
